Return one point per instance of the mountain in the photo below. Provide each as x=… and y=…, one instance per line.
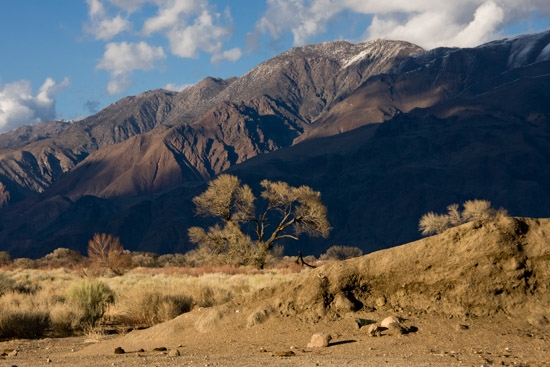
x=385, y=130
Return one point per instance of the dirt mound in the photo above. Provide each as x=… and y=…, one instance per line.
x=498, y=269
x=471, y=270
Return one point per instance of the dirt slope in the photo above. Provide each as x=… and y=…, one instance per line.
x=475, y=295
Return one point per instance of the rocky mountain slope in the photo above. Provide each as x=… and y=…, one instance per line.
x=384, y=130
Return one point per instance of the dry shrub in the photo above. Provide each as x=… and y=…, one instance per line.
x=477, y=210
x=147, y=308
x=22, y=316
x=24, y=263
x=342, y=253
x=5, y=258
x=65, y=320
x=172, y=260
x=61, y=258
x=144, y=260
x=106, y=253
x=259, y=316
x=91, y=299
x=23, y=324
x=6, y=284
x=432, y=223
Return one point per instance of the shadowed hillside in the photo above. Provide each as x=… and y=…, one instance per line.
x=385, y=131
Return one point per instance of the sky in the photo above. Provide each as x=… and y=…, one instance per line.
x=68, y=59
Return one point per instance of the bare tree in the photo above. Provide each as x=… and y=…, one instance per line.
x=106, y=252
x=245, y=237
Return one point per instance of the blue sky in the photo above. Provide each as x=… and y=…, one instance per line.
x=67, y=59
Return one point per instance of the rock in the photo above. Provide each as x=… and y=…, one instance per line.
x=375, y=330
x=160, y=349
x=381, y=301
x=174, y=353
x=390, y=320
x=394, y=326
x=119, y=350
x=319, y=340
x=342, y=304
x=9, y=353
x=286, y=353
x=396, y=329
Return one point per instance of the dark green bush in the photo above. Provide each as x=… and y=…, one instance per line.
x=92, y=297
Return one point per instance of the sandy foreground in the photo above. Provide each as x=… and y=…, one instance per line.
x=280, y=341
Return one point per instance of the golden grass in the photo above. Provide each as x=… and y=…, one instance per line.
x=143, y=296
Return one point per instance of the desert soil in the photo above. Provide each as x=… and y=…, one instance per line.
x=475, y=295
x=282, y=341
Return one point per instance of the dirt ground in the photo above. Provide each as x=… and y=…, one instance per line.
x=282, y=341
x=476, y=295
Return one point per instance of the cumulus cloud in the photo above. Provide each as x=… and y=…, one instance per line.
x=429, y=23
x=121, y=59
x=19, y=106
x=191, y=27
x=102, y=26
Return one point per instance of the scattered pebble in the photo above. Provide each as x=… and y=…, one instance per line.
x=285, y=353
x=174, y=353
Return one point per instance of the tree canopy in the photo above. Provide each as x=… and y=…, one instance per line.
x=246, y=235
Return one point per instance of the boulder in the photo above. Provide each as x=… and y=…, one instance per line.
x=319, y=340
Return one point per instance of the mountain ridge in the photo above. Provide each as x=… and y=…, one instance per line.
x=441, y=120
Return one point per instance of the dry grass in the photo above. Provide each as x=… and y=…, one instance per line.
x=142, y=297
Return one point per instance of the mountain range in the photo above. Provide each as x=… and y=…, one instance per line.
x=385, y=130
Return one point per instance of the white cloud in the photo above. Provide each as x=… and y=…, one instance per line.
x=102, y=26
x=175, y=87
x=230, y=55
x=429, y=23
x=171, y=14
x=486, y=20
x=121, y=59
x=19, y=106
x=191, y=26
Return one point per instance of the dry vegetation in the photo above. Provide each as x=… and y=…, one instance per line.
x=477, y=294
x=40, y=299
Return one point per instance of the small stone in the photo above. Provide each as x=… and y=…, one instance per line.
x=174, y=353
x=374, y=330
x=390, y=320
x=48, y=360
x=13, y=353
x=320, y=340
x=119, y=350
x=396, y=329
x=285, y=353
